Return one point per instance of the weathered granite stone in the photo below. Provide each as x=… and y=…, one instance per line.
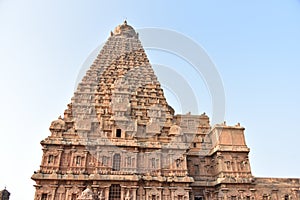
x=119, y=139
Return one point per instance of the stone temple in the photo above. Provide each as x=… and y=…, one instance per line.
x=120, y=140
x=4, y=194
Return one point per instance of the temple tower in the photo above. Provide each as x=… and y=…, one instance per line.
x=117, y=138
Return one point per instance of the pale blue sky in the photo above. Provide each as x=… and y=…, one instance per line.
x=255, y=46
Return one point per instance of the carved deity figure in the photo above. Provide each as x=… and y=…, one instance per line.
x=100, y=195
x=87, y=194
x=127, y=197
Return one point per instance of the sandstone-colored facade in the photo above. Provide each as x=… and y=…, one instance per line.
x=119, y=139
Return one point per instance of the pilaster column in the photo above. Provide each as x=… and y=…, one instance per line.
x=135, y=166
x=53, y=192
x=67, y=192
x=85, y=159
x=160, y=189
x=235, y=164
x=172, y=196
x=44, y=157
x=165, y=194
x=122, y=192
x=220, y=162
x=141, y=192
x=146, y=161
x=106, y=191
x=59, y=158
x=98, y=159
x=147, y=189
x=72, y=157
x=133, y=193
x=171, y=161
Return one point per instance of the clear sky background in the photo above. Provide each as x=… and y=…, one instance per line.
x=255, y=46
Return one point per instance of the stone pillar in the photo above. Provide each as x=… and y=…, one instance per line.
x=85, y=160
x=106, y=192
x=123, y=160
x=44, y=157
x=140, y=193
x=110, y=160
x=97, y=158
x=166, y=194
x=134, y=190
x=172, y=195
x=122, y=192
x=146, y=161
x=67, y=192
x=53, y=192
x=171, y=161
x=147, y=190
x=135, y=166
x=160, y=189
x=220, y=162
x=72, y=157
x=235, y=163
x=59, y=158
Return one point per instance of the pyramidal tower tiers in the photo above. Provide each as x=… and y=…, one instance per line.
x=120, y=140
x=120, y=90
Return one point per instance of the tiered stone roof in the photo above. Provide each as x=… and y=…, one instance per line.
x=120, y=90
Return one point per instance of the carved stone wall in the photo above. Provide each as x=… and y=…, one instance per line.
x=120, y=139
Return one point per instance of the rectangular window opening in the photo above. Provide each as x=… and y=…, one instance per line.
x=118, y=133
